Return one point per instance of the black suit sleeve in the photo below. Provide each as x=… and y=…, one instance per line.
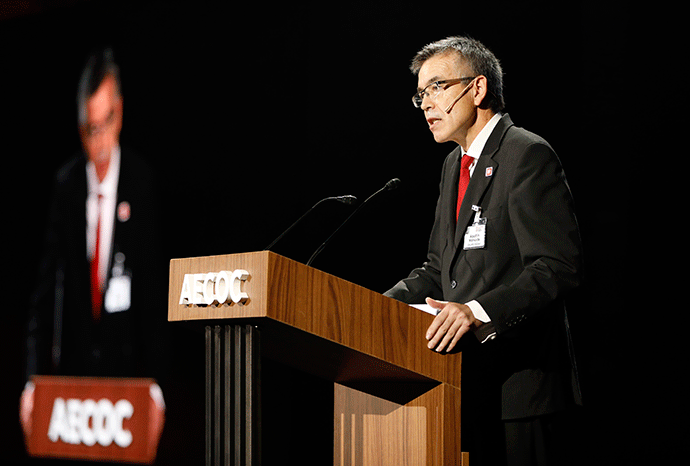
x=546, y=232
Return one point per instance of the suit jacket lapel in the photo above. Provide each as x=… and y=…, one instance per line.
x=481, y=179
x=452, y=195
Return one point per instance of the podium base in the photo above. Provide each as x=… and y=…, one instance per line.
x=252, y=403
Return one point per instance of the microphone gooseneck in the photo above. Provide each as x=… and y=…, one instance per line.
x=347, y=199
x=392, y=184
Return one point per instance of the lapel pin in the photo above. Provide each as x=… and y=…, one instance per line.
x=489, y=171
x=124, y=211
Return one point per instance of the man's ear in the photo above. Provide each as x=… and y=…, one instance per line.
x=480, y=91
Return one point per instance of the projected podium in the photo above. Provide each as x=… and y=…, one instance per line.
x=393, y=400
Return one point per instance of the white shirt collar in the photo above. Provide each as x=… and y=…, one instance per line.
x=477, y=146
x=108, y=187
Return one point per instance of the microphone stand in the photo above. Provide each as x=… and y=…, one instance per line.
x=392, y=184
x=347, y=199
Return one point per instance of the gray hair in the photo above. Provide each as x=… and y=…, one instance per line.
x=480, y=59
x=99, y=66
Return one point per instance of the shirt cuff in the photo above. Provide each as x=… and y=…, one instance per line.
x=478, y=311
x=486, y=331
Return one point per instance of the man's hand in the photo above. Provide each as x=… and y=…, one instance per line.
x=450, y=324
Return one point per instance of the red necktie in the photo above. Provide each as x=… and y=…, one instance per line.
x=96, y=295
x=464, y=180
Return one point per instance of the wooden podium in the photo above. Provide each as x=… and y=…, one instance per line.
x=393, y=400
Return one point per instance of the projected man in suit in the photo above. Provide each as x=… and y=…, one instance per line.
x=504, y=250
x=99, y=308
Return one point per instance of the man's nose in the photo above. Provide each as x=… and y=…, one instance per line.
x=427, y=102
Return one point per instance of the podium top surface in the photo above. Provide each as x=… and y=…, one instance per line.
x=310, y=306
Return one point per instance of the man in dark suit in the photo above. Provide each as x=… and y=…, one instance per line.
x=100, y=305
x=504, y=251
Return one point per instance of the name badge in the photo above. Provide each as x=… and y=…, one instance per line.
x=475, y=236
x=118, y=295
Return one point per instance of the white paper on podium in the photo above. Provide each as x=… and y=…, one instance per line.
x=426, y=308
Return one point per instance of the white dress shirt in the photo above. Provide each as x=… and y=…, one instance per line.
x=475, y=151
x=108, y=192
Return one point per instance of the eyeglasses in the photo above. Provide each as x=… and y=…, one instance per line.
x=92, y=130
x=434, y=89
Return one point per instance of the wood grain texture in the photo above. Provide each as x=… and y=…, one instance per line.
x=255, y=286
x=395, y=401
x=368, y=430
x=289, y=293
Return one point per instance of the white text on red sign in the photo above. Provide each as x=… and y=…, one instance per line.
x=76, y=421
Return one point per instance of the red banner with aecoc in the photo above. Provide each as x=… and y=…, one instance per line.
x=92, y=418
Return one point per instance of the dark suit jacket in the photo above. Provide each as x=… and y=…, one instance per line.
x=63, y=339
x=532, y=258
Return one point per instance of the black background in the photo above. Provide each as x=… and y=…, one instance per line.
x=250, y=114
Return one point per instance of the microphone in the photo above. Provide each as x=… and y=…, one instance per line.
x=347, y=199
x=462, y=94
x=392, y=184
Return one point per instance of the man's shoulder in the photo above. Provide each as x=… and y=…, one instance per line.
x=452, y=156
x=521, y=137
x=75, y=165
x=134, y=168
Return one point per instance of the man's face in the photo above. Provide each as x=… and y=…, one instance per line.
x=450, y=126
x=101, y=131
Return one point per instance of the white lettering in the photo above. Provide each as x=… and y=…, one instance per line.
x=207, y=289
x=222, y=292
x=89, y=410
x=123, y=410
x=198, y=289
x=60, y=428
x=186, y=294
x=75, y=421
x=236, y=294
x=208, y=293
x=102, y=423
